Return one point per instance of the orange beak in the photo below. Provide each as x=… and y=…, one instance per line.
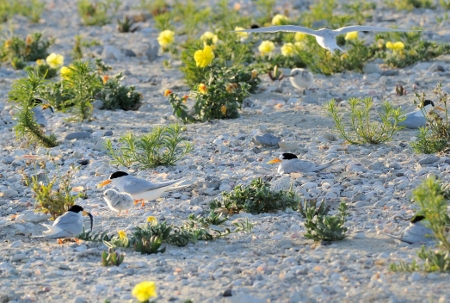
x=439, y=108
x=106, y=182
x=276, y=160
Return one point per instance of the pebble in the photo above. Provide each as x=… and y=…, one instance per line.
x=78, y=135
x=266, y=140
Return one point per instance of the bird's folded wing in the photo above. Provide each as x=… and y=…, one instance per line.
x=362, y=28
x=281, y=28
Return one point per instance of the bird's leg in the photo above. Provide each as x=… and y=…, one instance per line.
x=60, y=242
x=118, y=214
x=78, y=241
x=142, y=204
x=138, y=201
x=126, y=212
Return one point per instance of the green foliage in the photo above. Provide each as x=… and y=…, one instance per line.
x=82, y=84
x=149, y=238
x=360, y=129
x=23, y=92
x=409, y=4
x=127, y=25
x=43, y=70
x=432, y=198
x=218, y=95
x=17, y=51
x=435, y=136
x=111, y=257
x=165, y=145
x=309, y=208
x=255, y=198
x=97, y=12
x=321, y=227
x=32, y=9
x=53, y=196
x=115, y=95
x=95, y=237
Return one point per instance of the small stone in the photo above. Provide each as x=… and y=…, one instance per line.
x=9, y=193
x=146, y=108
x=129, y=53
x=371, y=68
x=152, y=52
x=110, y=52
x=377, y=166
x=435, y=67
x=83, y=161
x=266, y=140
x=415, y=276
x=32, y=216
x=78, y=135
x=227, y=293
x=429, y=160
x=390, y=72
x=108, y=133
x=310, y=99
x=79, y=300
x=98, y=104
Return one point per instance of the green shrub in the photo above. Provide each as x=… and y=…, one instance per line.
x=321, y=227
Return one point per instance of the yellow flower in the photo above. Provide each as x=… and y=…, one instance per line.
x=279, y=19
x=122, y=234
x=242, y=35
x=204, y=57
x=351, y=36
x=209, y=38
x=202, y=88
x=254, y=74
x=152, y=220
x=144, y=291
x=266, y=47
x=167, y=92
x=7, y=43
x=288, y=50
x=398, y=46
x=300, y=45
x=40, y=61
x=223, y=109
x=299, y=37
x=65, y=72
x=55, y=60
x=105, y=79
x=185, y=97
x=166, y=38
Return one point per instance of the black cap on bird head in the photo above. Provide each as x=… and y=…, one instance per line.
x=288, y=156
x=428, y=102
x=118, y=174
x=76, y=208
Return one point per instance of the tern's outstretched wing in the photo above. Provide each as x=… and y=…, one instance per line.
x=281, y=28
x=363, y=28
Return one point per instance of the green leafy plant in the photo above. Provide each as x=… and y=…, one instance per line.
x=165, y=145
x=321, y=227
x=361, y=129
x=409, y=4
x=23, y=92
x=309, y=208
x=95, y=236
x=255, y=198
x=32, y=9
x=53, y=196
x=435, y=136
x=111, y=257
x=432, y=198
x=115, y=95
x=97, y=12
x=220, y=96
x=127, y=25
x=17, y=51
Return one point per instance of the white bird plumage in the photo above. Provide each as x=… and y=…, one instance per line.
x=301, y=79
x=140, y=189
x=417, y=118
x=68, y=225
x=118, y=201
x=290, y=163
x=40, y=105
x=325, y=37
x=416, y=232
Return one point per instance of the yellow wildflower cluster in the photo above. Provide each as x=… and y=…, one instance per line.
x=280, y=19
x=152, y=220
x=209, y=38
x=241, y=35
x=144, y=291
x=351, y=36
x=266, y=47
x=166, y=38
x=65, y=72
x=55, y=60
x=204, y=57
x=288, y=50
x=395, y=46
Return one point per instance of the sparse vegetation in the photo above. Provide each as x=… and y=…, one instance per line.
x=165, y=145
x=255, y=198
x=320, y=227
x=97, y=12
x=360, y=128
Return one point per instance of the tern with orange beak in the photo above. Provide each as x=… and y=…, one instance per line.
x=418, y=118
x=290, y=163
x=140, y=190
